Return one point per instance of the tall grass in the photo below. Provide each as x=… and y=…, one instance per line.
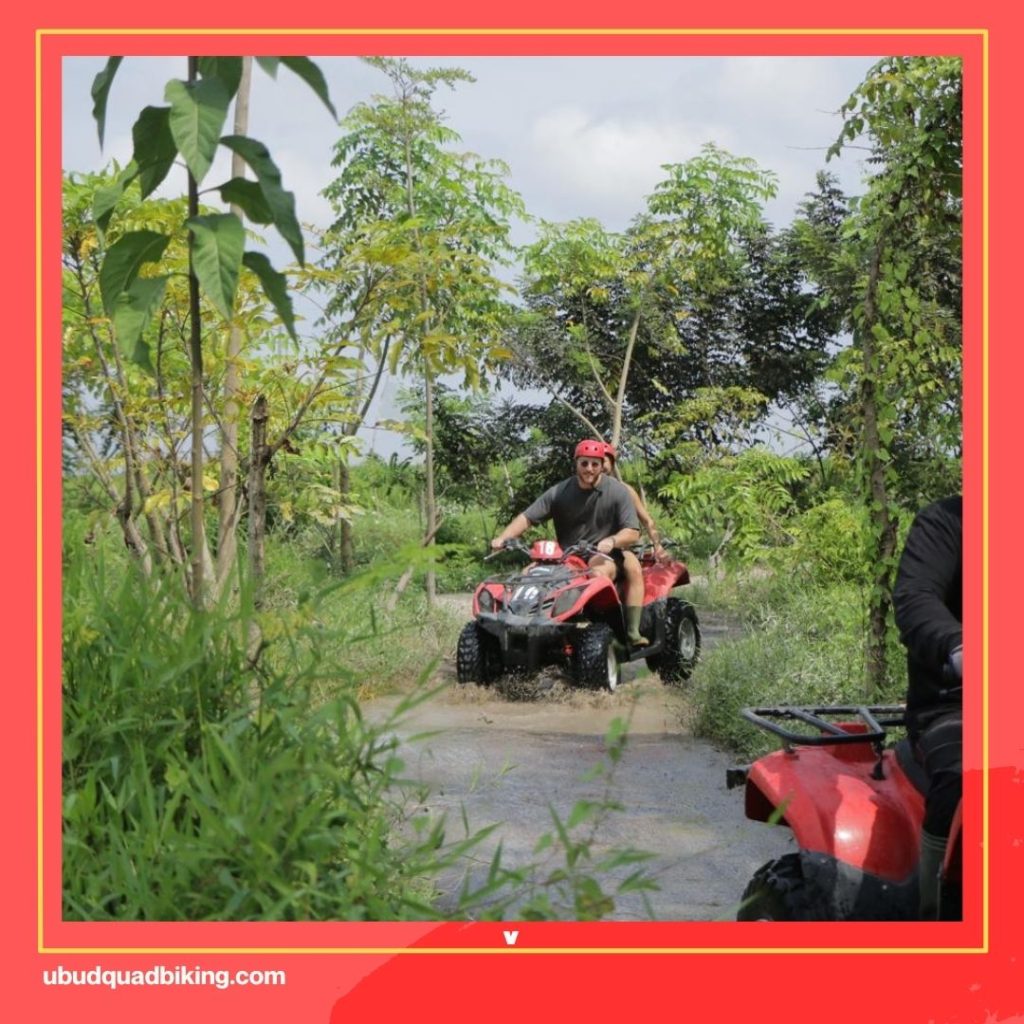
x=798, y=643
x=200, y=787
x=364, y=646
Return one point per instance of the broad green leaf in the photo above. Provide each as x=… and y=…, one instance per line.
x=133, y=309
x=107, y=198
x=139, y=355
x=249, y=196
x=101, y=90
x=275, y=287
x=123, y=260
x=281, y=203
x=155, y=148
x=269, y=64
x=311, y=74
x=219, y=240
x=227, y=69
x=198, y=111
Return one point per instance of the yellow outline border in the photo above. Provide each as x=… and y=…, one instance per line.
x=499, y=950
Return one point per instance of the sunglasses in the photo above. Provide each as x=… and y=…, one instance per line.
x=589, y=462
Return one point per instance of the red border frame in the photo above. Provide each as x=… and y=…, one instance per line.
x=972, y=980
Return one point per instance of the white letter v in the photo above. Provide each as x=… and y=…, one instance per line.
x=510, y=938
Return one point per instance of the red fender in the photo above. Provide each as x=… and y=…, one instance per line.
x=599, y=593
x=833, y=805
x=659, y=579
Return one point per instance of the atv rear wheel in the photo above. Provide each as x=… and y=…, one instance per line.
x=477, y=657
x=595, y=662
x=682, y=643
x=780, y=892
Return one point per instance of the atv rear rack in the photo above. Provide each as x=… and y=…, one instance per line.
x=869, y=725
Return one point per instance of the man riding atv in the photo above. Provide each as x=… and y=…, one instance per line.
x=591, y=508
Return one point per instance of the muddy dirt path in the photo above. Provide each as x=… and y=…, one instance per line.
x=510, y=755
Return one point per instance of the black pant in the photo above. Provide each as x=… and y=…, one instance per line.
x=938, y=746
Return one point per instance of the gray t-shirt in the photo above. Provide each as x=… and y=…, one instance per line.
x=585, y=516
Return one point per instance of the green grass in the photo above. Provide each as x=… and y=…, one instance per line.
x=198, y=786
x=365, y=647
x=797, y=645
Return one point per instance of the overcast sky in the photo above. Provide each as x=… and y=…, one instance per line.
x=583, y=136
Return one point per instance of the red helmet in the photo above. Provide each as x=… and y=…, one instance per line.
x=609, y=450
x=589, y=450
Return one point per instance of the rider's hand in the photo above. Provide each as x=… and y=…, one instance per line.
x=606, y=546
x=956, y=662
x=498, y=543
x=661, y=555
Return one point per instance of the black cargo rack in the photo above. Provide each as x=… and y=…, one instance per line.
x=875, y=717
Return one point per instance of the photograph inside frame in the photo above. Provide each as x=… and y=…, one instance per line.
x=512, y=489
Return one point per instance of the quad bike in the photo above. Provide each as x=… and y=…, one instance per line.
x=556, y=611
x=855, y=806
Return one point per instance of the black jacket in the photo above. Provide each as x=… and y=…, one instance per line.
x=927, y=601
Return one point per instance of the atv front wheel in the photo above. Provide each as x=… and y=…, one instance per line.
x=595, y=660
x=677, y=659
x=779, y=892
x=477, y=657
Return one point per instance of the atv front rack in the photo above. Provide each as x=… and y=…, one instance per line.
x=869, y=725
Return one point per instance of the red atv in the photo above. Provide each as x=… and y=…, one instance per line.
x=855, y=806
x=556, y=611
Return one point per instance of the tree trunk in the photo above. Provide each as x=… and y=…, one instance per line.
x=406, y=576
x=620, y=398
x=227, y=533
x=431, y=501
x=343, y=549
x=883, y=525
x=256, y=487
x=196, y=351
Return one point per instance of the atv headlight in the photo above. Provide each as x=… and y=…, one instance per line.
x=565, y=600
x=485, y=600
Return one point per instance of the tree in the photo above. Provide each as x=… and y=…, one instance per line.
x=600, y=304
x=429, y=226
x=190, y=126
x=899, y=262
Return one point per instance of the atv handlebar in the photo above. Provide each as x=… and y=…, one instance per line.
x=875, y=718
x=515, y=544
x=583, y=549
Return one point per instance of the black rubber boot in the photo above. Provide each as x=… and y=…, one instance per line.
x=633, y=634
x=929, y=875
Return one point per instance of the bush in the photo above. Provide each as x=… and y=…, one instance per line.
x=800, y=645
x=829, y=545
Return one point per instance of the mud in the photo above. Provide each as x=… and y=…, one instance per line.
x=516, y=754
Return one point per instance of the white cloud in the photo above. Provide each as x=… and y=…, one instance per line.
x=606, y=161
